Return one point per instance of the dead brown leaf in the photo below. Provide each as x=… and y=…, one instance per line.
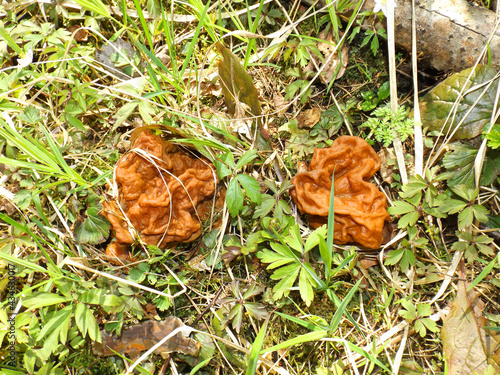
x=309, y=118
x=467, y=346
x=280, y=104
x=81, y=35
x=143, y=336
x=240, y=94
x=328, y=48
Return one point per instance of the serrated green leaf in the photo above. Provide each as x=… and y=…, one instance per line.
x=480, y=213
x=294, y=240
x=251, y=187
x=452, y=206
x=314, y=238
x=265, y=207
x=96, y=6
x=283, y=287
x=55, y=322
x=438, y=103
x=430, y=324
x=408, y=220
x=305, y=287
x=285, y=271
x=424, y=309
x=257, y=310
x=394, y=257
x=246, y=158
x=465, y=218
x=234, y=198
x=276, y=260
x=86, y=322
x=236, y=317
x=400, y=208
x=420, y=328
x=42, y=299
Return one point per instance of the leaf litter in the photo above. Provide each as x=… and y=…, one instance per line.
x=468, y=345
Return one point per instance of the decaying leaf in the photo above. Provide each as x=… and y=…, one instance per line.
x=309, y=118
x=143, y=336
x=468, y=347
x=327, y=48
x=438, y=103
x=280, y=104
x=239, y=89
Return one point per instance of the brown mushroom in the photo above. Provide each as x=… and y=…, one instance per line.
x=162, y=194
x=360, y=207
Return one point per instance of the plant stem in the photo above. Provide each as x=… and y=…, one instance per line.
x=398, y=147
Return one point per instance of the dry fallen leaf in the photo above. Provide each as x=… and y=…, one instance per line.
x=81, y=35
x=467, y=346
x=309, y=118
x=327, y=49
x=143, y=336
x=280, y=104
x=239, y=89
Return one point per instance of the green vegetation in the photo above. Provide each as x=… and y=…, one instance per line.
x=259, y=287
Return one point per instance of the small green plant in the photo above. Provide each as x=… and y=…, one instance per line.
x=412, y=206
x=473, y=244
x=493, y=136
x=405, y=255
x=419, y=316
x=372, y=100
x=465, y=207
x=274, y=203
x=388, y=124
x=241, y=303
x=226, y=166
x=289, y=258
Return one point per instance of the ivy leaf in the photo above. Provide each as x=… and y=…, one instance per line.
x=234, y=198
x=437, y=104
x=94, y=229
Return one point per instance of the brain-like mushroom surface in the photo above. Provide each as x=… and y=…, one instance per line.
x=163, y=192
x=360, y=208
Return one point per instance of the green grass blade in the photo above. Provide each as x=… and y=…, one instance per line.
x=194, y=41
x=310, y=326
x=341, y=309
x=26, y=230
x=253, y=29
x=486, y=271
x=331, y=220
x=144, y=24
x=256, y=347
x=307, y=337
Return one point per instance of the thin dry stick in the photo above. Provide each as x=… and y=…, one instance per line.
x=398, y=147
x=72, y=262
x=481, y=154
x=419, y=142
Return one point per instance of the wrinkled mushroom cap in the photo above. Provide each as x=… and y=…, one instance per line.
x=360, y=207
x=163, y=193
